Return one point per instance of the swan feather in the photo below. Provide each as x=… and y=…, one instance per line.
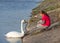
x=14, y=34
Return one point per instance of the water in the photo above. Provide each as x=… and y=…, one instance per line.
x=11, y=13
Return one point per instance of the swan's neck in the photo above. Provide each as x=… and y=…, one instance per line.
x=22, y=31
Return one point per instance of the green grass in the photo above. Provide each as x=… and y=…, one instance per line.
x=53, y=4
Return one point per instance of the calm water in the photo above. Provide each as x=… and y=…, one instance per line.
x=11, y=13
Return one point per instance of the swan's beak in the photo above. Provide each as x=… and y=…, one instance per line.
x=25, y=21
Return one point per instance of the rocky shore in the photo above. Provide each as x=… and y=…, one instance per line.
x=50, y=36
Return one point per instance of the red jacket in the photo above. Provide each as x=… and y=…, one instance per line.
x=46, y=19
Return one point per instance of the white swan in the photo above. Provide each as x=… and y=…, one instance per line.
x=15, y=34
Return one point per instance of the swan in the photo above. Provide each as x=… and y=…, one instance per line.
x=14, y=34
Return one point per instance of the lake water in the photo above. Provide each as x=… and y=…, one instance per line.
x=11, y=13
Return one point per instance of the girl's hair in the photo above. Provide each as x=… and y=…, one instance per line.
x=43, y=12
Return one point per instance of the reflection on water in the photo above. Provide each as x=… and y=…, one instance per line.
x=14, y=40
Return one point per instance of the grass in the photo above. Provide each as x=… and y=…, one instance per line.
x=46, y=5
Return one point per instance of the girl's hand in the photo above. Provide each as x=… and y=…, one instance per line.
x=40, y=22
x=35, y=16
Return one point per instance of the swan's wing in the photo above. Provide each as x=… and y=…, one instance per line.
x=14, y=34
